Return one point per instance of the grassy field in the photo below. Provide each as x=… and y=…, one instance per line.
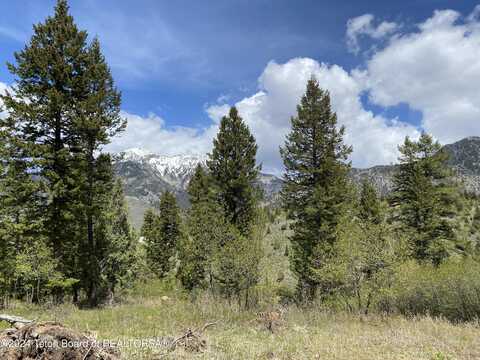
x=158, y=310
x=155, y=312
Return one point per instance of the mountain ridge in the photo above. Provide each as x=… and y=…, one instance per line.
x=146, y=174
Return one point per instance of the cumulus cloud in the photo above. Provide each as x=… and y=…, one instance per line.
x=364, y=26
x=434, y=70
x=268, y=112
x=151, y=133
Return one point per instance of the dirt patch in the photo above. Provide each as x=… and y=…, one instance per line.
x=52, y=341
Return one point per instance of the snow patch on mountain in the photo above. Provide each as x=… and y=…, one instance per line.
x=176, y=170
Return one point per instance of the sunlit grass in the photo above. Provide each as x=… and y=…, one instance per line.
x=153, y=311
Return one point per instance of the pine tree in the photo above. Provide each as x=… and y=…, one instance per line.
x=205, y=227
x=370, y=206
x=423, y=196
x=200, y=187
x=63, y=109
x=96, y=119
x=162, y=232
x=49, y=84
x=118, y=244
x=232, y=167
x=236, y=264
x=315, y=187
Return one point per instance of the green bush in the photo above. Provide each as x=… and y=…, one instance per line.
x=451, y=291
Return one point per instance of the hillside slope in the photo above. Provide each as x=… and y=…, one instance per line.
x=146, y=175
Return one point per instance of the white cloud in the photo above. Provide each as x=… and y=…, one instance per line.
x=268, y=113
x=151, y=134
x=363, y=26
x=434, y=70
x=3, y=88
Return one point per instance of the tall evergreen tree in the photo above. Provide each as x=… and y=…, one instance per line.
x=117, y=244
x=161, y=233
x=422, y=196
x=206, y=228
x=64, y=107
x=370, y=210
x=96, y=119
x=315, y=187
x=232, y=167
x=50, y=74
x=200, y=187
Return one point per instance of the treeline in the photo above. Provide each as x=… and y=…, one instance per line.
x=352, y=249
x=348, y=247
x=63, y=219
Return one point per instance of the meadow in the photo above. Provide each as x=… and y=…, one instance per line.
x=161, y=310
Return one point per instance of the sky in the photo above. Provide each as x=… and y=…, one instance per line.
x=393, y=68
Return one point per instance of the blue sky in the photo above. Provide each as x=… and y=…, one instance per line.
x=174, y=60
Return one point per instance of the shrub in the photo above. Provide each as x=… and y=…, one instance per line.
x=451, y=290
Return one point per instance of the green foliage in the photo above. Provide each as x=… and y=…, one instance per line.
x=36, y=275
x=315, y=187
x=232, y=166
x=236, y=265
x=206, y=229
x=55, y=182
x=370, y=211
x=449, y=290
x=117, y=253
x=161, y=233
x=366, y=254
x=200, y=187
x=423, y=198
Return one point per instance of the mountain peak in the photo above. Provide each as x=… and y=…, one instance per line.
x=134, y=154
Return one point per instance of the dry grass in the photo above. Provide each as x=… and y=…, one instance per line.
x=304, y=334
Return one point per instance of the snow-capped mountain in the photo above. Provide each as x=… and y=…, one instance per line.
x=146, y=175
x=175, y=170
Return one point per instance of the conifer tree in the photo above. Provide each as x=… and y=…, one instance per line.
x=49, y=83
x=315, y=187
x=205, y=233
x=96, y=119
x=423, y=196
x=162, y=232
x=236, y=264
x=64, y=107
x=200, y=187
x=118, y=243
x=370, y=207
x=232, y=165
x=149, y=220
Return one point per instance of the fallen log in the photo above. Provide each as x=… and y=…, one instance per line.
x=15, y=321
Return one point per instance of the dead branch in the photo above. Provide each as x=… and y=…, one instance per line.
x=191, y=340
x=15, y=321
